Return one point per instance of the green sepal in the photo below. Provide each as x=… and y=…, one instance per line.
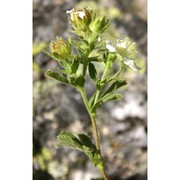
x=101, y=83
x=57, y=56
x=111, y=56
x=82, y=51
x=65, y=71
x=65, y=65
x=56, y=76
x=82, y=47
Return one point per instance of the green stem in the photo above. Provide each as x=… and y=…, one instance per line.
x=93, y=121
x=97, y=96
x=85, y=67
x=105, y=175
x=95, y=133
x=104, y=73
x=103, y=172
x=98, y=91
x=83, y=94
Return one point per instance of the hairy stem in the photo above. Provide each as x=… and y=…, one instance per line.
x=95, y=133
x=98, y=90
x=93, y=121
x=97, y=96
x=83, y=94
x=103, y=172
x=105, y=175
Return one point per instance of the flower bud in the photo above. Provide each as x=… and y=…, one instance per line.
x=111, y=56
x=60, y=48
x=80, y=18
x=99, y=24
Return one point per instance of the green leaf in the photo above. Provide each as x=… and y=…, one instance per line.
x=91, y=100
x=111, y=97
x=93, y=59
x=74, y=66
x=81, y=51
x=80, y=81
x=68, y=139
x=56, y=76
x=116, y=85
x=86, y=141
x=65, y=65
x=97, y=160
x=104, y=99
x=65, y=71
x=81, y=142
x=85, y=43
x=90, y=149
x=95, y=106
x=92, y=71
x=92, y=46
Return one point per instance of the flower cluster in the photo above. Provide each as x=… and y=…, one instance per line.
x=91, y=27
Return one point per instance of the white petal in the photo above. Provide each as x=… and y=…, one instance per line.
x=130, y=63
x=70, y=11
x=81, y=14
x=110, y=48
x=122, y=45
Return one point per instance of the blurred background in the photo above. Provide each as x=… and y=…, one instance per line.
x=122, y=124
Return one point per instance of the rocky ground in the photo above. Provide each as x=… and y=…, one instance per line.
x=56, y=107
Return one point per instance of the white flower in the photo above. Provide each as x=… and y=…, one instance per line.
x=125, y=49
